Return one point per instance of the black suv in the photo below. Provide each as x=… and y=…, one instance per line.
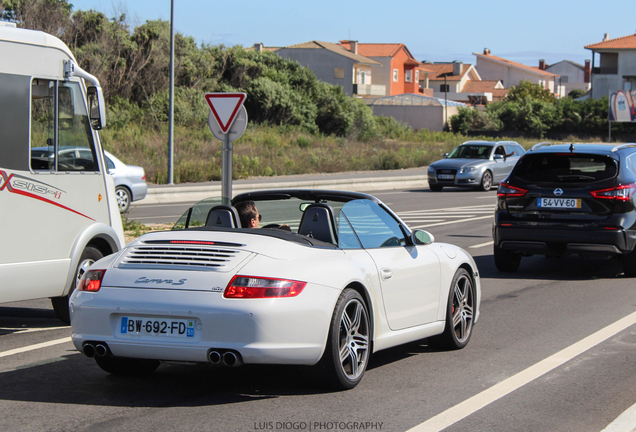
x=568, y=199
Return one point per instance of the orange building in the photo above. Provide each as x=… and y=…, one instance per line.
x=399, y=71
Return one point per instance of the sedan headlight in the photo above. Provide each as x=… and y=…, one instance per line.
x=468, y=169
x=431, y=169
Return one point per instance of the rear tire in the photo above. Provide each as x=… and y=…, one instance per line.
x=124, y=198
x=60, y=304
x=506, y=261
x=348, y=347
x=124, y=366
x=435, y=188
x=628, y=263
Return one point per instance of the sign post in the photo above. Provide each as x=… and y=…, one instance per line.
x=227, y=121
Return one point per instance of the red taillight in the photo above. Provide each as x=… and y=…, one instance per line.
x=505, y=190
x=260, y=287
x=91, y=281
x=619, y=193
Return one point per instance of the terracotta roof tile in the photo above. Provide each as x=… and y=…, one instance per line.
x=480, y=86
x=439, y=70
x=625, y=42
x=515, y=64
x=338, y=49
x=376, y=50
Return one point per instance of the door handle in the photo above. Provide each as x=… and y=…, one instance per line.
x=386, y=273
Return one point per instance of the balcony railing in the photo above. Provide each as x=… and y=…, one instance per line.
x=369, y=90
x=605, y=70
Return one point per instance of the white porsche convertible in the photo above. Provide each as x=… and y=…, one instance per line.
x=331, y=278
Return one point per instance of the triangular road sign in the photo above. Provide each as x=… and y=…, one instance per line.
x=224, y=107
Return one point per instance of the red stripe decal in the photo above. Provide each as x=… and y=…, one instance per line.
x=30, y=195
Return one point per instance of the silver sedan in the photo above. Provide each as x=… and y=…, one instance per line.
x=475, y=164
x=130, y=181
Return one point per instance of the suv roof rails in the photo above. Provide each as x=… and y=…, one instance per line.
x=622, y=146
x=541, y=144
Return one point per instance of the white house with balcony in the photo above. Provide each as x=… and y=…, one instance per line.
x=614, y=68
x=337, y=65
x=511, y=73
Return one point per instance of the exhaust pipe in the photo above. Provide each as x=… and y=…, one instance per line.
x=214, y=357
x=231, y=359
x=101, y=350
x=89, y=350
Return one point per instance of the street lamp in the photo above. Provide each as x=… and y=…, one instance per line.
x=445, y=102
x=171, y=102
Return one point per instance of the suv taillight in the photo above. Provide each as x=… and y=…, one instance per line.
x=91, y=281
x=505, y=190
x=618, y=193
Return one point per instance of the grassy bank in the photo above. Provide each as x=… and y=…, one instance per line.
x=273, y=151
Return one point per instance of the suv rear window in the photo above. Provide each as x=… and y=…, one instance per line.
x=565, y=167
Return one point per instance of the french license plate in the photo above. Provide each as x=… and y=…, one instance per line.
x=161, y=327
x=568, y=203
x=445, y=176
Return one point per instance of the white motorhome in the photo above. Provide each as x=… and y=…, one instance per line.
x=58, y=212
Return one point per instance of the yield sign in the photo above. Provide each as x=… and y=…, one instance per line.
x=224, y=107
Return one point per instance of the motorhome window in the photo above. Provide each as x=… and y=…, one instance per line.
x=42, y=125
x=60, y=127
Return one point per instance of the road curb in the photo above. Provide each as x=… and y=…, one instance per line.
x=189, y=193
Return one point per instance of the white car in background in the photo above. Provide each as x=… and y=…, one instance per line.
x=330, y=278
x=130, y=181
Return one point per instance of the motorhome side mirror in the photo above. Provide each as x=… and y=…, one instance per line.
x=96, y=107
x=421, y=237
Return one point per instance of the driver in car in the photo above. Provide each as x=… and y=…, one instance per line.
x=248, y=214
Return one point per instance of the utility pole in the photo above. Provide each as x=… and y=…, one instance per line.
x=171, y=107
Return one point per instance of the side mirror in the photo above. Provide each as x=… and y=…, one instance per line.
x=498, y=157
x=96, y=107
x=421, y=237
x=445, y=155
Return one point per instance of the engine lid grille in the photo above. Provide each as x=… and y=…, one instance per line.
x=183, y=255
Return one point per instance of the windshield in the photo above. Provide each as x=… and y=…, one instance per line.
x=471, y=151
x=284, y=211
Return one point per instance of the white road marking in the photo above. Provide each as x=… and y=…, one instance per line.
x=34, y=347
x=485, y=398
x=31, y=330
x=452, y=222
x=481, y=245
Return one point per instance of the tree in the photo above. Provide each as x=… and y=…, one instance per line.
x=576, y=93
x=527, y=89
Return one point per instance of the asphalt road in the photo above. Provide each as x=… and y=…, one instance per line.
x=546, y=355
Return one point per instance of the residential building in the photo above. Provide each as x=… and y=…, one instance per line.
x=512, y=73
x=572, y=76
x=397, y=70
x=461, y=82
x=616, y=67
x=334, y=64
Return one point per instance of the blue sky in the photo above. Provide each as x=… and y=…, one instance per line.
x=524, y=32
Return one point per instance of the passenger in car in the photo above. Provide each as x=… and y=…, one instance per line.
x=248, y=213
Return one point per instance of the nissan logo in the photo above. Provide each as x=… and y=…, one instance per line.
x=558, y=191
